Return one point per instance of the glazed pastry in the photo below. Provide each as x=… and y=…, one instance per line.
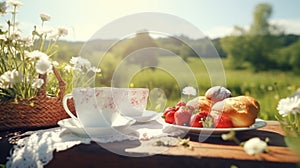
x=201, y=103
x=242, y=110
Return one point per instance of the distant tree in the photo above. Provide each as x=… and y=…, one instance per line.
x=261, y=15
x=289, y=57
x=235, y=47
x=255, y=46
x=185, y=52
x=217, y=44
x=141, y=50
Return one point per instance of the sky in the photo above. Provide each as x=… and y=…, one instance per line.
x=215, y=18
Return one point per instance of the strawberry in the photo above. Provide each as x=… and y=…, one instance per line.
x=182, y=115
x=222, y=122
x=198, y=119
x=169, y=117
x=168, y=109
x=180, y=104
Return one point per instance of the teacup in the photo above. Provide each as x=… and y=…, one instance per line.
x=99, y=107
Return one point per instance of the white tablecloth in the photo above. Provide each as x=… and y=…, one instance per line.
x=36, y=148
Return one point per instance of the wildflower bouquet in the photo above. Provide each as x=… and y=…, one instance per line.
x=289, y=117
x=25, y=60
x=25, y=66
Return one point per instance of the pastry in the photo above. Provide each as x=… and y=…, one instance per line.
x=201, y=103
x=242, y=110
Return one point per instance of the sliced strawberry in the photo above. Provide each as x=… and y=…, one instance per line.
x=223, y=122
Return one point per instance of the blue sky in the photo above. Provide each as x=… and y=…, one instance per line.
x=215, y=18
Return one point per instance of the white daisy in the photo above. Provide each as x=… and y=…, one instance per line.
x=44, y=30
x=3, y=37
x=68, y=68
x=28, y=41
x=14, y=3
x=80, y=63
x=289, y=105
x=16, y=35
x=9, y=78
x=36, y=54
x=37, y=83
x=55, y=63
x=45, y=17
x=62, y=31
x=95, y=70
x=43, y=66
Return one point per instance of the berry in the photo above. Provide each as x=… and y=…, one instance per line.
x=182, y=115
x=223, y=122
x=198, y=119
x=169, y=117
x=180, y=104
x=168, y=109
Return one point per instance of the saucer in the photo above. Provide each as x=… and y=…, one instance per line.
x=74, y=125
x=147, y=116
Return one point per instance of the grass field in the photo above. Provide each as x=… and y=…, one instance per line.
x=174, y=74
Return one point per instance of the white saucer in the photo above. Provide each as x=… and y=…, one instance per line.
x=147, y=116
x=74, y=125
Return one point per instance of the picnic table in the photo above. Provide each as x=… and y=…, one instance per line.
x=212, y=152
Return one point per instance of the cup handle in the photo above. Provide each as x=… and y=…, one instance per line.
x=65, y=105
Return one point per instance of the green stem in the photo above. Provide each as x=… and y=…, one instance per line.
x=297, y=123
x=14, y=17
x=42, y=44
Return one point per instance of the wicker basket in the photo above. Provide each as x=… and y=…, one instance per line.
x=40, y=111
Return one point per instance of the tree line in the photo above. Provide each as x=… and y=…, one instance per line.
x=262, y=47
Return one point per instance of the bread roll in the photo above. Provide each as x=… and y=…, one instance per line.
x=201, y=103
x=242, y=110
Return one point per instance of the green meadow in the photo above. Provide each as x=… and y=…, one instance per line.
x=267, y=87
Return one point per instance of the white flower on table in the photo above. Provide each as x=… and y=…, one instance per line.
x=189, y=91
x=289, y=105
x=255, y=146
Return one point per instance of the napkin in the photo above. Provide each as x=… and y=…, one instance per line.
x=35, y=148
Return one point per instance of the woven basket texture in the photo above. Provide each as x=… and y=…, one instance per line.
x=37, y=112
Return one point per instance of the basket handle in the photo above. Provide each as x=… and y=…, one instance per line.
x=62, y=84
